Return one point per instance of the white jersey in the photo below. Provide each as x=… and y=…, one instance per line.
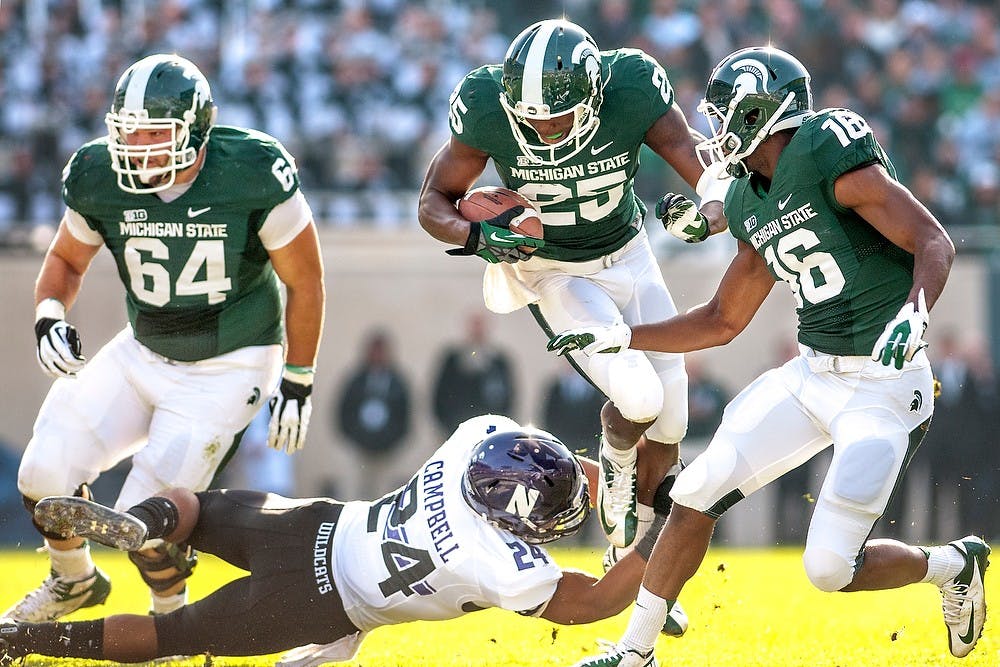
x=421, y=553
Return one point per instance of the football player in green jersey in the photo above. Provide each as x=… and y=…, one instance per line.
x=563, y=123
x=814, y=203
x=203, y=222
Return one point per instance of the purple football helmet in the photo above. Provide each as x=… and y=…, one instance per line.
x=528, y=483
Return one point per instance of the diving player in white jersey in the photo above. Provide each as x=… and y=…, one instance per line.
x=464, y=534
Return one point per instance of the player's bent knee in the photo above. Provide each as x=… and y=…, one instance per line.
x=632, y=385
x=827, y=570
x=36, y=480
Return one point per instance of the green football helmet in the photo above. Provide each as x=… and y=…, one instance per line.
x=752, y=94
x=159, y=92
x=552, y=68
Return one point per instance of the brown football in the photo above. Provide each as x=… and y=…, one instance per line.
x=490, y=201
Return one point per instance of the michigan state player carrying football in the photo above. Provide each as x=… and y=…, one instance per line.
x=466, y=533
x=563, y=123
x=202, y=222
x=815, y=205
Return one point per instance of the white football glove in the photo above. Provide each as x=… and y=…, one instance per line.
x=291, y=408
x=592, y=340
x=680, y=217
x=903, y=336
x=59, y=349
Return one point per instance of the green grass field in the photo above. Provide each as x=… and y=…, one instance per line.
x=747, y=607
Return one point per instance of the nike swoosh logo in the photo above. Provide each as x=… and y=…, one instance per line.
x=506, y=239
x=594, y=150
x=194, y=213
x=783, y=203
x=969, y=635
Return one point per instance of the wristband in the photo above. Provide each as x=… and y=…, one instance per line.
x=51, y=308
x=299, y=374
x=710, y=187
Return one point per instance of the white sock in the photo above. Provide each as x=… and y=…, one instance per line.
x=623, y=457
x=645, y=514
x=648, y=617
x=168, y=603
x=73, y=564
x=943, y=564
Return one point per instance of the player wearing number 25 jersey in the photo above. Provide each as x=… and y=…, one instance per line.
x=814, y=205
x=564, y=123
x=202, y=222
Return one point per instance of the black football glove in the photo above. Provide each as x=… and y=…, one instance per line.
x=291, y=408
x=494, y=241
x=59, y=350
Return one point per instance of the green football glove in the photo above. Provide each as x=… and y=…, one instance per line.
x=494, y=241
x=903, y=336
x=592, y=340
x=680, y=217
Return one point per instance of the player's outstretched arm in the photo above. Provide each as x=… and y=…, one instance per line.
x=583, y=598
x=743, y=289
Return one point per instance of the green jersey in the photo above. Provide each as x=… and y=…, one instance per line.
x=198, y=280
x=587, y=202
x=848, y=280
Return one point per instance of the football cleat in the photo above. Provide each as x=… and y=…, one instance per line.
x=70, y=515
x=616, y=502
x=963, y=599
x=57, y=596
x=617, y=656
x=677, y=621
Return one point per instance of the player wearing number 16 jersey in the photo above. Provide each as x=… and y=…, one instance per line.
x=202, y=222
x=564, y=123
x=814, y=205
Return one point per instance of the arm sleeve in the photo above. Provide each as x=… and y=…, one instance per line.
x=81, y=231
x=285, y=221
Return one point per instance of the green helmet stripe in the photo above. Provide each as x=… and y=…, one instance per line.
x=135, y=92
x=531, y=82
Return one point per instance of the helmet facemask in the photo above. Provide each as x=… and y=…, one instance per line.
x=552, y=69
x=158, y=93
x=752, y=94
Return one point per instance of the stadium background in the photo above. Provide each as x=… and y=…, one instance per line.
x=358, y=92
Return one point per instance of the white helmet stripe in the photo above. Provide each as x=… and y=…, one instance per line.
x=531, y=86
x=135, y=93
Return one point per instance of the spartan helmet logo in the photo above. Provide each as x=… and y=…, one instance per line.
x=752, y=77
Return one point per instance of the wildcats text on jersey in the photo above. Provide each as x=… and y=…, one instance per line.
x=787, y=221
x=321, y=557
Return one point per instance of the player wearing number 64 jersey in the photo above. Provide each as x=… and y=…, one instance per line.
x=202, y=221
x=466, y=533
x=814, y=205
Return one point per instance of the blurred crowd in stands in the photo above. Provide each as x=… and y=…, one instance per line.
x=358, y=89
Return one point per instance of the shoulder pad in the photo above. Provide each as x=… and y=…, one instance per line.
x=266, y=171
x=85, y=172
x=474, y=107
x=838, y=141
